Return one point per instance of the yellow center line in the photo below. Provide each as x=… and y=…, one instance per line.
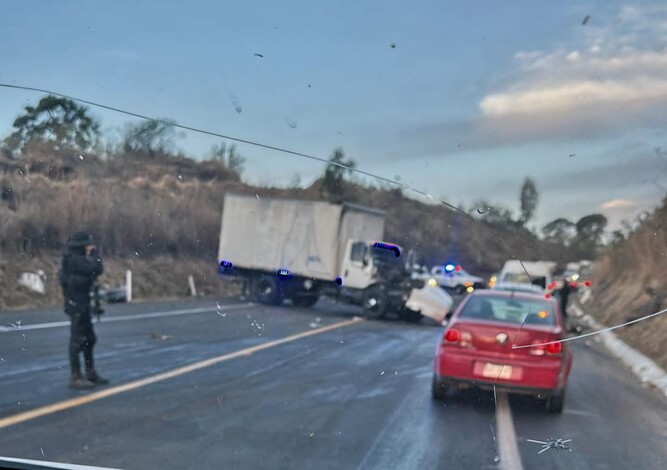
x=74, y=402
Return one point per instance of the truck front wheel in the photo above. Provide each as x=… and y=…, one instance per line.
x=267, y=292
x=374, y=303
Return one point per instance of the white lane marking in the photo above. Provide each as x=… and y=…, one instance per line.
x=507, y=443
x=137, y=316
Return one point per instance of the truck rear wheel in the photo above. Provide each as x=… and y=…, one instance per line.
x=267, y=292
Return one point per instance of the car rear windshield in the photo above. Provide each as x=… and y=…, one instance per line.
x=509, y=310
x=523, y=278
x=518, y=278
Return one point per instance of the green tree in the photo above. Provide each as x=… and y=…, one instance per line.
x=559, y=230
x=529, y=198
x=334, y=175
x=617, y=238
x=591, y=227
x=59, y=121
x=229, y=157
x=151, y=137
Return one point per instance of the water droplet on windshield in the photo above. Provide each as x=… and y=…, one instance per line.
x=237, y=105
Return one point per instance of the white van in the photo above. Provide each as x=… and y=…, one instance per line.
x=525, y=272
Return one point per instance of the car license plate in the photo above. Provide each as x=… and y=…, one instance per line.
x=496, y=371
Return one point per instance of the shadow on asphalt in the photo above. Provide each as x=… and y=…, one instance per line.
x=483, y=400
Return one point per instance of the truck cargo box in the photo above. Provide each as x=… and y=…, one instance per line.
x=307, y=238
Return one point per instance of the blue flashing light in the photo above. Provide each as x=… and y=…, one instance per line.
x=226, y=264
x=449, y=268
x=283, y=272
x=388, y=246
x=339, y=280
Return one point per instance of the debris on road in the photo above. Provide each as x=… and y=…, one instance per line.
x=160, y=337
x=555, y=444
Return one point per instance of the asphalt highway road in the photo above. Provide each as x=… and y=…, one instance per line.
x=239, y=385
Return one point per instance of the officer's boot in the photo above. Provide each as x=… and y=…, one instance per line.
x=94, y=377
x=77, y=382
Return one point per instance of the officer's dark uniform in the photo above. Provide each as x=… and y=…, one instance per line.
x=77, y=276
x=564, y=295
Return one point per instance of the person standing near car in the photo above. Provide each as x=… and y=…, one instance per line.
x=80, y=268
x=564, y=295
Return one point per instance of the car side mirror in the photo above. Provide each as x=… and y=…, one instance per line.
x=364, y=262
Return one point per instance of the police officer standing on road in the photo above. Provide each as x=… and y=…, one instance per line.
x=564, y=295
x=81, y=265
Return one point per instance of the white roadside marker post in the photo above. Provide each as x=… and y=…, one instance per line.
x=128, y=286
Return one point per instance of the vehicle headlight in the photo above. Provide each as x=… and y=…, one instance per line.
x=470, y=289
x=432, y=282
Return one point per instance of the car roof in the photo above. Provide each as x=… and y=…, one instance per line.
x=510, y=294
x=517, y=286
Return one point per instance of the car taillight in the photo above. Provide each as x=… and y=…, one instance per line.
x=554, y=348
x=452, y=335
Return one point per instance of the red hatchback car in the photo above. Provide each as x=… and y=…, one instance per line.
x=488, y=342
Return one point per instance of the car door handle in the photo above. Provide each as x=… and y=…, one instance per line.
x=346, y=272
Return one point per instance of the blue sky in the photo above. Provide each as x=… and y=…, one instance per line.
x=474, y=97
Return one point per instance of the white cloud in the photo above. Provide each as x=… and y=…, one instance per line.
x=619, y=204
x=614, y=75
x=618, y=211
x=527, y=55
x=576, y=94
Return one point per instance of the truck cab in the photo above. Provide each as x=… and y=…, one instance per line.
x=366, y=262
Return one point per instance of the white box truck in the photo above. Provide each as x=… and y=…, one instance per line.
x=538, y=273
x=301, y=250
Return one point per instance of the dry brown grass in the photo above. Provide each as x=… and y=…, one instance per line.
x=161, y=277
x=621, y=278
x=160, y=216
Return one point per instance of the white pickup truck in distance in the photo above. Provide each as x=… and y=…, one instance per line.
x=455, y=278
